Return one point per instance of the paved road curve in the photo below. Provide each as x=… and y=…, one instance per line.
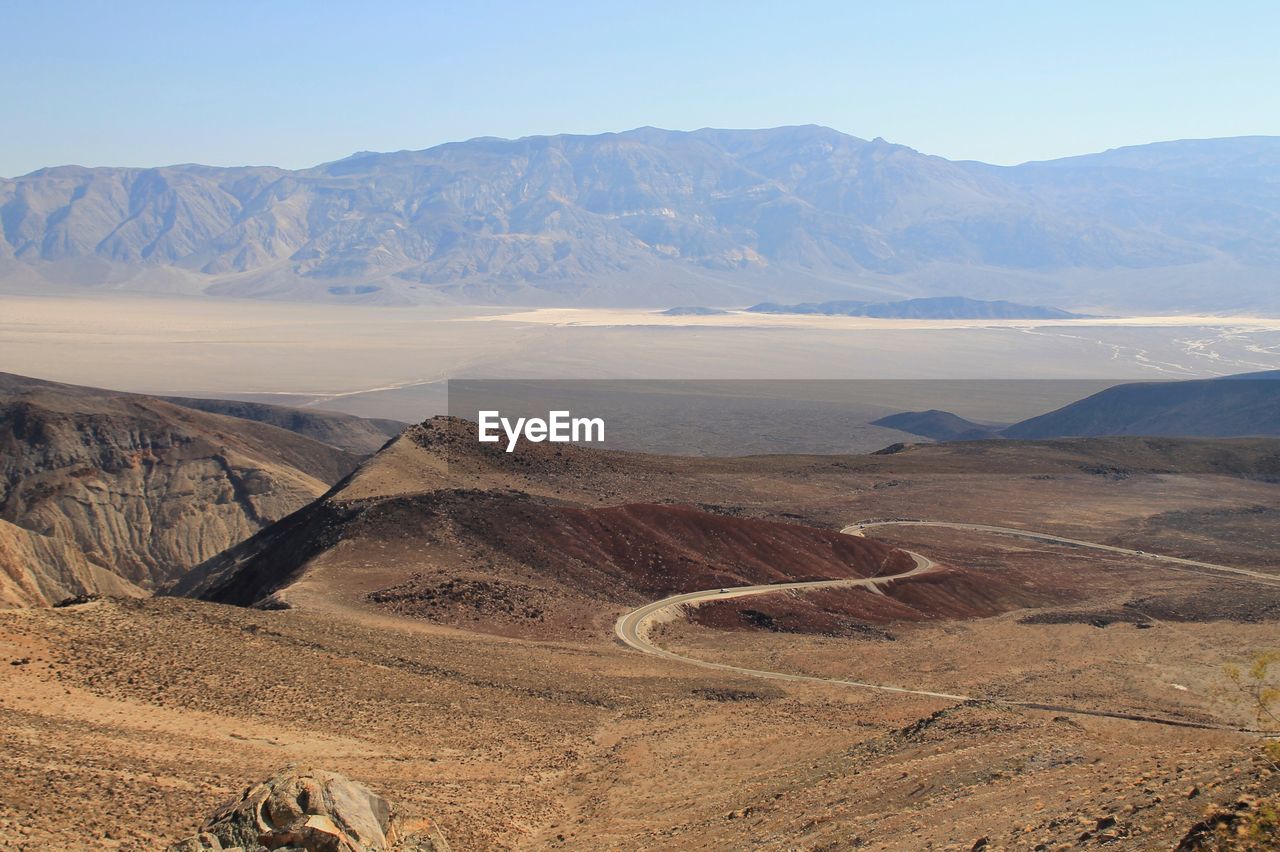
x=634, y=627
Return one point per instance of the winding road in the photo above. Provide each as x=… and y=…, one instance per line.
x=1171, y=562
x=634, y=628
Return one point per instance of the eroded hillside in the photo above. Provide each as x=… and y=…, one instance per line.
x=113, y=493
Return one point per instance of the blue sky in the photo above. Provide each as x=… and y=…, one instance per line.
x=294, y=84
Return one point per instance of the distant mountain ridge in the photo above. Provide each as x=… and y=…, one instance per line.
x=937, y=307
x=651, y=217
x=1231, y=406
x=693, y=311
x=1244, y=405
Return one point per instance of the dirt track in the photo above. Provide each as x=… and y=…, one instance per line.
x=633, y=628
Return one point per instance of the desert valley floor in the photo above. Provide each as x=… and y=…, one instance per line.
x=393, y=361
x=440, y=627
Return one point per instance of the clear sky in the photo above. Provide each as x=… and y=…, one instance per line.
x=298, y=83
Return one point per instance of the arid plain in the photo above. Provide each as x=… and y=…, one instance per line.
x=393, y=362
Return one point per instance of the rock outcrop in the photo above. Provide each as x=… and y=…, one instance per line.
x=312, y=810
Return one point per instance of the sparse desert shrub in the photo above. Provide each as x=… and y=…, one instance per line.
x=1250, y=823
x=1260, y=683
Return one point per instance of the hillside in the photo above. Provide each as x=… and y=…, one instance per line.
x=550, y=541
x=457, y=540
x=110, y=492
x=652, y=217
x=1231, y=406
x=40, y=569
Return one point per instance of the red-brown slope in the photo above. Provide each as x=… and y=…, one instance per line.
x=664, y=549
x=945, y=593
x=506, y=559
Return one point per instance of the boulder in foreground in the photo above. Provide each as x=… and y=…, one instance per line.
x=312, y=810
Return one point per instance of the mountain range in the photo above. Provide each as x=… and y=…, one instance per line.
x=655, y=217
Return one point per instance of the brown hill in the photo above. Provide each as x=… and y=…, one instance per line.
x=556, y=537
x=100, y=485
x=515, y=550
x=510, y=559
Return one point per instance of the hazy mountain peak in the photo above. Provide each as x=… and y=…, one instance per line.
x=651, y=216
